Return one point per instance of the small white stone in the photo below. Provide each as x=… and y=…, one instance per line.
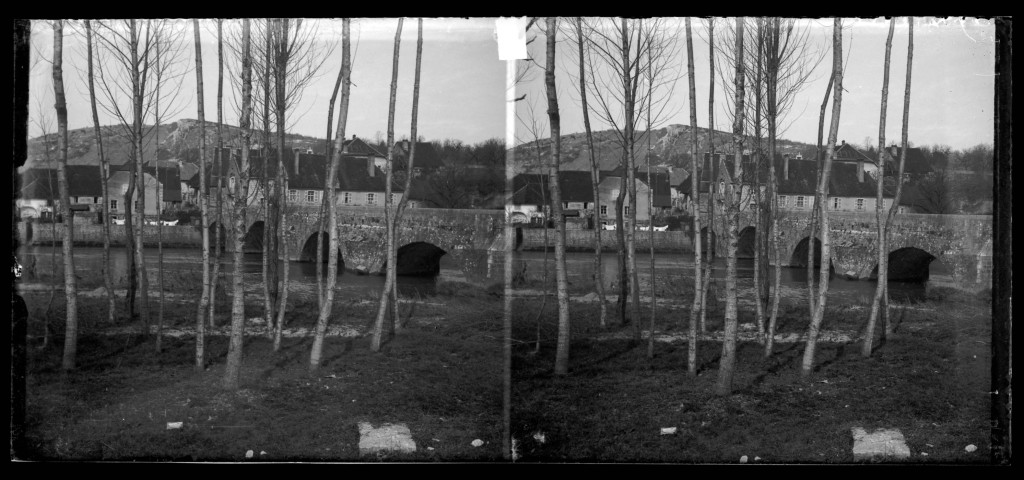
x=970, y=448
x=668, y=430
x=174, y=425
x=477, y=443
x=248, y=454
x=743, y=459
x=757, y=459
x=262, y=453
x=540, y=437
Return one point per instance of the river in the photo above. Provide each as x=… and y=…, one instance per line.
x=89, y=261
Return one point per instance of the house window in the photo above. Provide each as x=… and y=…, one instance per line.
x=837, y=203
x=604, y=209
x=626, y=210
x=346, y=198
x=860, y=204
x=113, y=205
x=903, y=210
x=799, y=202
x=310, y=196
x=782, y=200
x=395, y=198
x=292, y=196
x=231, y=182
x=371, y=199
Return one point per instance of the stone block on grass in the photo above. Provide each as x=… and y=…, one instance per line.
x=882, y=444
x=387, y=438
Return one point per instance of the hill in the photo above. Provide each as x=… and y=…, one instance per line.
x=177, y=140
x=670, y=144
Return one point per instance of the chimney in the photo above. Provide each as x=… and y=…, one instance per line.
x=785, y=166
x=860, y=171
x=295, y=160
x=370, y=170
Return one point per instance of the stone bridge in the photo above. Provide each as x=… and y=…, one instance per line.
x=958, y=245
x=424, y=236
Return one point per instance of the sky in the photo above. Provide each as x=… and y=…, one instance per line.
x=463, y=81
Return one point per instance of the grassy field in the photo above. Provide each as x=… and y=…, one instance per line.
x=931, y=382
x=441, y=376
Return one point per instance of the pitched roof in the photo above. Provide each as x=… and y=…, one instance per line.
x=168, y=176
x=532, y=188
x=357, y=147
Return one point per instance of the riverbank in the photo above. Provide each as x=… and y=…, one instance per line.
x=580, y=240
x=440, y=376
x=930, y=381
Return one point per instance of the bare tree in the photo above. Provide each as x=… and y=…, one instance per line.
x=378, y=326
x=595, y=176
x=240, y=193
x=894, y=208
x=732, y=205
x=691, y=354
x=108, y=281
x=822, y=193
x=218, y=169
x=334, y=232
x=869, y=333
x=203, y=207
x=70, y=286
x=562, y=349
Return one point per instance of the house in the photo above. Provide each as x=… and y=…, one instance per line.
x=40, y=193
x=162, y=180
x=359, y=180
x=915, y=166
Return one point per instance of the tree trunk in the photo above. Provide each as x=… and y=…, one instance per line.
x=894, y=208
x=814, y=209
x=203, y=197
x=561, y=281
x=269, y=249
x=772, y=75
x=232, y=371
x=159, y=207
x=629, y=95
x=869, y=332
x=821, y=194
x=378, y=326
x=218, y=166
x=712, y=181
x=595, y=178
x=760, y=253
x=70, y=284
x=138, y=98
x=280, y=88
x=691, y=353
x=334, y=235
x=650, y=209
x=108, y=280
x=732, y=201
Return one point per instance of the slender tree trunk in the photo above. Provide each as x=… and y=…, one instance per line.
x=620, y=233
x=108, y=280
x=280, y=88
x=400, y=208
x=159, y=207
x=562, y=351
x=650, y=208
x=274, y=330
x=378, y=327
x=334, y=235
x=821, y=193
x=324, y=201
x=814, y=209
x=728, y=360
x=760, y=255
x=629, y=92
x=203, y=200
x=894, y=208
x=70, y=284
x=869, y=333
x=269, y=249
x=709, y=265
x=138, y=94
x=773, y=197
x=691, y=354
x=232, y=371
x=218, y=166
x=595, y=177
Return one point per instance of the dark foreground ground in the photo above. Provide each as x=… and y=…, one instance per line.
x=931, y=382
x=441, y=376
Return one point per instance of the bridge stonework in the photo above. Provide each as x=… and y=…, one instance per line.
x=961, y=242
x=464, y=235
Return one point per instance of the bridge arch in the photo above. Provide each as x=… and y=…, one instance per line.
x=908, y=264
x=308, y=252
x=253, y=242
x=799, y=256
x=747, y=242
x=421, y=259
